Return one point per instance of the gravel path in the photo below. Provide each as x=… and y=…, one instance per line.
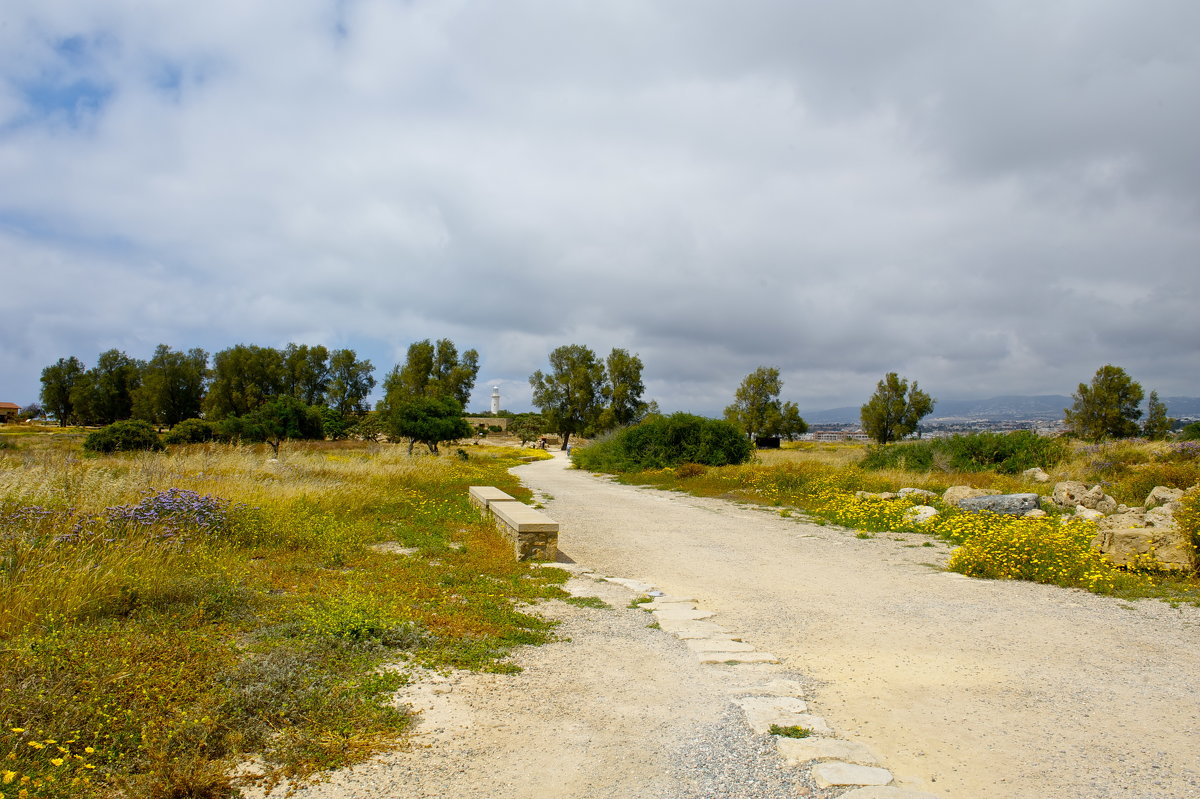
x=965, y=689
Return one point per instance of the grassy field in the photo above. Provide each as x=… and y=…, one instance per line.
x=821, y=480
x=169, y=617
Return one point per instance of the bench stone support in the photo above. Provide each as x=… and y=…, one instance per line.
x=533, y=534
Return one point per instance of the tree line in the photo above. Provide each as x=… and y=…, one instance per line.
x=301, y=391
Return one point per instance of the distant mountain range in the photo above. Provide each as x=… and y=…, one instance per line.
x=1044, y=407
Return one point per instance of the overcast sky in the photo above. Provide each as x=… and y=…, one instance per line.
x=988, y=197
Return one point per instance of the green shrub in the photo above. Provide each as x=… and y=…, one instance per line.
x=190, y=431
x=125, y=436
x=1190, y=432
x=666, y=441
x=1007, y=453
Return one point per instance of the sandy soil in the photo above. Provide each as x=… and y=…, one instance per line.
x=966, y=688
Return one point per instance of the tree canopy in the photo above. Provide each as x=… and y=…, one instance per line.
x=58, y=380
x=895, y=409
x=758, y=411
x=431, y=370
x=428, y=420
x=1108, y=408
x=172, y=386
x=571, y=395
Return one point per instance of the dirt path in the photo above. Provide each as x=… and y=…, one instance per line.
x=966, y=688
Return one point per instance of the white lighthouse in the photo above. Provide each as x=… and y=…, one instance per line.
x=495, y=399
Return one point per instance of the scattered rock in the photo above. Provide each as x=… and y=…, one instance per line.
x=920, y=514
x=876, y=495
x=1087, y=513
x=1072, y=493
x=1096, y=499
x=1036, y=513
x=1036, y=475
x=918, y=493
x=1162, y=495
x=1163, y=515
x=1068, y=493
x=1006, y=504
x=1163, y=548
x=955, y=494
x=1123, y=521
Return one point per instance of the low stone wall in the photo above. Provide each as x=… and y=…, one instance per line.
x=533, y=534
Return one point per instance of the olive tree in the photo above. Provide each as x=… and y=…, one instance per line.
x=571, y=395
x=895, y=409
x=1108, y=408
x=758, y=411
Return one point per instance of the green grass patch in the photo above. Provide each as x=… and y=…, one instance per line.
x=793, y=731
x=168, y=616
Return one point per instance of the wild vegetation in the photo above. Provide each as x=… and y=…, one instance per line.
x=833, y=483
x=667, y=441
x=169, y=617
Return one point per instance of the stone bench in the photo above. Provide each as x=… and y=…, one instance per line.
x=483, y=496
x=533, y=534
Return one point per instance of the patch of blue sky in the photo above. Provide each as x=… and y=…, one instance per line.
x=65, y=232
x=76, y=103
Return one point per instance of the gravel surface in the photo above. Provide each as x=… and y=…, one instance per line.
x=966, y=688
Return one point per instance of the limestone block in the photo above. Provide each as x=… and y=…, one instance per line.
x=534, y=535
x=777, y=687
x=920, y=514
x=763, y=711
x=1068, y=494
x=687, y=629
x=836, y=772
x=1096, y=499
x=1165, y=548
x=1161, y=495
x=736, y=657
x=786, y=711
x=1163, y=515
x=1087, y=513
x=718, y=645
x=632, y=585
x=1036, y=475
x=1006, y=504
x=1123, y=521
x=1036, y=513
x=682, y=611
x=876, y=495
x=802, y=750
x=481, y=496
x=955, y=494
x=918, y=493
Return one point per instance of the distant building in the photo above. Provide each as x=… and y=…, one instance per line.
x=9, y=412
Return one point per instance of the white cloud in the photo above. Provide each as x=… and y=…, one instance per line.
x=985, y=197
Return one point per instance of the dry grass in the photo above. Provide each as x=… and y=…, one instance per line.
x=167, y=615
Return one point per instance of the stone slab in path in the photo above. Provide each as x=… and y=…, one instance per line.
x=737, y=657
x=836, y=772
x=722, y=644
x=802, y=750
x=692, y=628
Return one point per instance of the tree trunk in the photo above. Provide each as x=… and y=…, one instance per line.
x=566, y=440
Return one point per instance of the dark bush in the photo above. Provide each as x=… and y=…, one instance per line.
x=190, y=431
x=125, y=436
x=666, y=441
x=1008, y=453
x=1190, y=432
